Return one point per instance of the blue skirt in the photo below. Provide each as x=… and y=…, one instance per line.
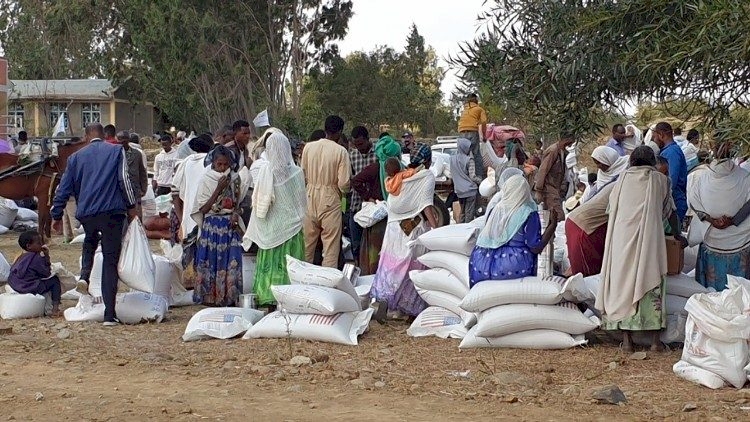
x=218, y=263
x=503, y=263
x=712, y=268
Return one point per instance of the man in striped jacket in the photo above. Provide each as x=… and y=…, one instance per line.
x=97, y=177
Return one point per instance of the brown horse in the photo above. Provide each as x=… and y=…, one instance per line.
x=40, y=183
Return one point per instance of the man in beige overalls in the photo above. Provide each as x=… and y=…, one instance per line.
x=327, y=174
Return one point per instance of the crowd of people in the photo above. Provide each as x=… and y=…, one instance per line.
x=233, y=192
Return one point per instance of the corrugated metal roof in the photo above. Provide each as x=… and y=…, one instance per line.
x=61, y=89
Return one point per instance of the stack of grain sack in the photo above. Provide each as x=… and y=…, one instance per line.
x=445, y=284
x=679, y=288
x=717, y=335
x=155, y=283
x=320, y=304
x=524, y=313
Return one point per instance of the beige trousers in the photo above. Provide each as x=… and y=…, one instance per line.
x=69, y=220
x=323, y=221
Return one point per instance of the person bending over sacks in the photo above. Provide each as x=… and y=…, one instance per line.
x=508, y=245
x=32, y=272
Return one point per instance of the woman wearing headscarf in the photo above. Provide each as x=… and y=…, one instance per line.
x=500, y=182
x=279, y=206
x=631, y=296
x=370, y=185
x=508, y=245
x=633, y=138
x=716, y=195
x=410, y=214
x=218, y=258
x=610, y=165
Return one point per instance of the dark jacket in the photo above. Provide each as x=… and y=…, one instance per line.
x=27, y=271
x=97, y=176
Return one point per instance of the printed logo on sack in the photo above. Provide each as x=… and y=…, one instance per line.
x=324, y=319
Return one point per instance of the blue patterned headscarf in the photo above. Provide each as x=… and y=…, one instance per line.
x=422, y=154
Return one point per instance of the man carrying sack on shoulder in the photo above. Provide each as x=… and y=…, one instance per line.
x=472, y=125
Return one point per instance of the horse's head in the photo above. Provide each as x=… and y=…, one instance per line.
x=65, y=150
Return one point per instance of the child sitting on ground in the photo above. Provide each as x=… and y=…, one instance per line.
x=396, y=176
x=32, y=272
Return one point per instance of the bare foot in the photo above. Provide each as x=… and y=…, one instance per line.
x=656, y=344
x=627, y=342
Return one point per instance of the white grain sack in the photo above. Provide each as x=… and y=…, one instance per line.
x=533, y=339
x=439, y=279
x=514, y=318
x=340, y=328
x=299, y=299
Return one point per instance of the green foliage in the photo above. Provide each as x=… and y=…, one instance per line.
x=382, y=88
x=202, y=63
x=563, y=64
x=52, y=39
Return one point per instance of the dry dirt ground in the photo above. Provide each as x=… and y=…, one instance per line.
x=146, y=372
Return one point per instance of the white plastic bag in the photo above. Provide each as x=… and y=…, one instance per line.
x=78, y=239
x=439, y=279
x=148, y=202
x=18, y=306
x=371, y=213
x=683, y=285
x=509, y=319
x=182, y=298
x=697, y=375
x=531, y=290
x=716, y=333
x=697, y=231
x=136, y=267
x=449, y=302
x=301, y=272
x=340, y=328
x=532, y=339
x=25, y=214
x=439, y=322
x=131, y=308
x=8, y=212
x=166, y=274
x=458, y=238
x=691, y=257
x=138, y=307
x=221, y=323
x=456, y=263
x=4, y=269
x=299, y=299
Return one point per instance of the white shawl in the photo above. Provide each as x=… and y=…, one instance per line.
x=633, y=140
x=722, y=189
x=635, y=252
x=609, y=157
x=187, y=180
x=417, y=193
x=208, y=186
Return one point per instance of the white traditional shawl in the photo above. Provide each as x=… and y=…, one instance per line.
x=722, y=189
x=207, y=187
x=417, y=193
x=187, y=180
x=635, y=253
